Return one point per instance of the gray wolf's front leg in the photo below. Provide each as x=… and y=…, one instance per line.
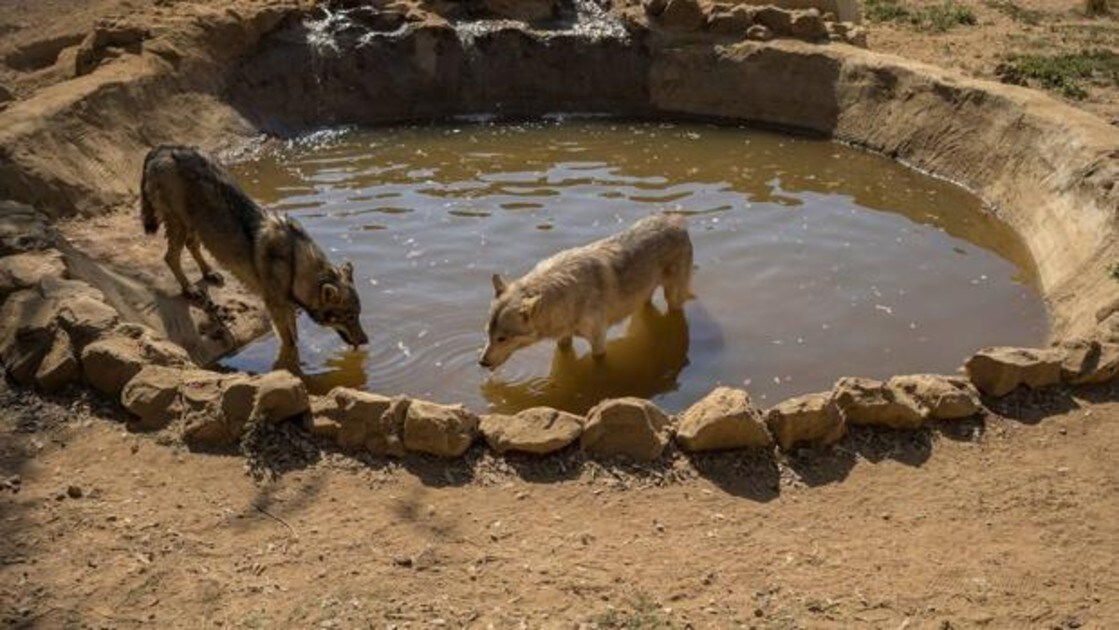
x=598, y=342
x=284, y=322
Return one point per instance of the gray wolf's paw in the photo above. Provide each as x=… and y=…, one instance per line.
x=215, y=278
x=195, y=295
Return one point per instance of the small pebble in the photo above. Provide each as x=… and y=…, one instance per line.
x=74, y=492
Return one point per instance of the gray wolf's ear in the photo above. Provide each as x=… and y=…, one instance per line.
x=347, y=271
x=499, y=285
x=328, y=293
x=529, y=305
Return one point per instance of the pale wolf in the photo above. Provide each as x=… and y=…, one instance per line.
x=199, y=204
x=585, y=290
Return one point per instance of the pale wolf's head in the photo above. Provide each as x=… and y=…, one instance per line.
x=339, y=306
x=510, y=324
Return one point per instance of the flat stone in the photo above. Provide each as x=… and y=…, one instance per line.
x=443, y=430
x=626, y=427
x=724, y=419
x=945, y=397
x=998, y=371
x=865, y=401
x=539, y=430
x=810, y=419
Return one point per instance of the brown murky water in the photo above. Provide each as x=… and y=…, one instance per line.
x=814, y=260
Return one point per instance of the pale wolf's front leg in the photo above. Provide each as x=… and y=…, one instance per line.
x=284, y=322
x=598, y=342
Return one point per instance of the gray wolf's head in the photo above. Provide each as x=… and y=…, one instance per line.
x=339, y=306
x=510, y=325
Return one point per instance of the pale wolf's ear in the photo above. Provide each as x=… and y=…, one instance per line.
x=347, y=271
x=499, y=285
x=328, y=293
x=529, y=305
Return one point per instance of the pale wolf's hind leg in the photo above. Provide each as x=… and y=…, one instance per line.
x=208, y=273
x=175, y=242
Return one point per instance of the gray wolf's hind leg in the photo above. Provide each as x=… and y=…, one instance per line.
x=175, y=242
x=208, y=273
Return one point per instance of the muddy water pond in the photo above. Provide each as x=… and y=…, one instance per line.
x=813, y=260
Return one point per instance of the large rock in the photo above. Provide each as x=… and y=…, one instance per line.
x=59, y=367
x=363, y=420
x=279, y=395
x=27, y=331
x=778, y=21
x=22, y=229
x=539, y=430
x=1102, y=368
x=810, y=419
x=154, y=395
x=945, y=397
x=109, y=363
x=443, y=430
x=998, y=371
x=23, y=271
x=808, y=25
x=734, y=21
x=1079, y=357
x=724, y=419
x=626, y=427
x=524, y=10
x=215, y=411
x=865, y=401
x=683, y=15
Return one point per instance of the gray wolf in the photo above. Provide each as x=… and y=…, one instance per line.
x=584, y=291
x=199, y=204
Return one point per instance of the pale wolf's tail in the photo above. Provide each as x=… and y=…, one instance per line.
x=148, y=215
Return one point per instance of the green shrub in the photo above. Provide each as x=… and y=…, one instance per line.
x=1065, y=73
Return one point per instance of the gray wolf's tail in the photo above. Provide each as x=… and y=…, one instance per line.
x=148, y=215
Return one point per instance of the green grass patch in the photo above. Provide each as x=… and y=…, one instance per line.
x=1064, y=73
x=936, y=18
x=1015, y=12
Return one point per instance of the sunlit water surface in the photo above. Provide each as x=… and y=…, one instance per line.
x=813, y=260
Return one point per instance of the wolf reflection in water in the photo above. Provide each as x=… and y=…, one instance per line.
x=645, y=361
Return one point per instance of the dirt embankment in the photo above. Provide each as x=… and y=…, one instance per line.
x=1005, y=521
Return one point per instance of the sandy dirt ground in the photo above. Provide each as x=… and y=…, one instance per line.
x=1004, y=523
x=1008, y=522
